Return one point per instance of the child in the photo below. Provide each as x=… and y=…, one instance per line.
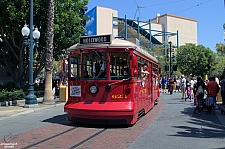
x=188, y=91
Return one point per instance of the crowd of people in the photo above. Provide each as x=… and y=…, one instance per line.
x=202, y=93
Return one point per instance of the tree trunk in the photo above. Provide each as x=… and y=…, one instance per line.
x=48, y=95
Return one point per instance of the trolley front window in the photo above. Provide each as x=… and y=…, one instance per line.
x=119, y=66
x=94, y=65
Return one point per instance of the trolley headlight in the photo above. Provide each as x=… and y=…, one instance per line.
x=93, y=89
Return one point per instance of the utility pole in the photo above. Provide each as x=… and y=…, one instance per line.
x=170, y=58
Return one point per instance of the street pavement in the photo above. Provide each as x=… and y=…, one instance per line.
x=175, y=126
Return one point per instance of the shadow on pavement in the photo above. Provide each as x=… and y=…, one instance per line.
x=62, y=120
x=203, y=125
x=59, y=119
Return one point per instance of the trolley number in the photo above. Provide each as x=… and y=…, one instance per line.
x=143, y=90
x=119, y=96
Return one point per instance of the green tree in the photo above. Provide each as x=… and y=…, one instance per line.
x=220, y=49
x=196, y=60
x=67, y=28
x=218, y=68
x=159, y=54
x=220, y=59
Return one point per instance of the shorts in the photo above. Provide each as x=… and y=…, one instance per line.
x=183, y=89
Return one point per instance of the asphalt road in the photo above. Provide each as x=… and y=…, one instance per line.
x=177, y=127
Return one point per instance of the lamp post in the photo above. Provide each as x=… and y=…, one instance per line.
x=63, y=64
x=30, y=99
x=170, y=43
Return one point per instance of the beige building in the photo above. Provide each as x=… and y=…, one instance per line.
x=186, y=27
x=179, y=30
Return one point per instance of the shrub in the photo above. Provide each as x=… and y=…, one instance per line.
x=39, y=93
x=3, y=95
x=11, y=95
x=16, y=95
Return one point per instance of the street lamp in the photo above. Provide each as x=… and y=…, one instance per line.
x=170, y=43
x=30, y=100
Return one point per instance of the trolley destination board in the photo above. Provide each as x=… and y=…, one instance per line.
x=105, y=39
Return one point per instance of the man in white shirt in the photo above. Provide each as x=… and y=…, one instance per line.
x=183, y=87
x=98, y=68
x=192, y=82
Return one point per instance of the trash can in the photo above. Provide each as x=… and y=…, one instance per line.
x=63, y=93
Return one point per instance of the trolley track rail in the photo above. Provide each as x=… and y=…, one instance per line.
x=44, y=140
x=64, y=132
x=87, y=139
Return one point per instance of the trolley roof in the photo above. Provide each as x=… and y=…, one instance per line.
x=114, y=42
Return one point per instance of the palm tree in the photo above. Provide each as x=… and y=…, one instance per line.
x=48, y=95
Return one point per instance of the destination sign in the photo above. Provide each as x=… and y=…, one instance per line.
x=106, y=39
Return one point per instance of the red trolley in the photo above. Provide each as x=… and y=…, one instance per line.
x=115, y=90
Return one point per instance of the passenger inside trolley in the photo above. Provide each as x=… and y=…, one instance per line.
x=86, y=75
x=145, y=73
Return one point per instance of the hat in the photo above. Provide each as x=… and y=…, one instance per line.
x=182, y=75
x=188, y=83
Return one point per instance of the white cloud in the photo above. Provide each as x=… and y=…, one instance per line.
x=90, y=32
x=90, y=21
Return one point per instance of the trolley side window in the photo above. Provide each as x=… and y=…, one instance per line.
x=140, y=63
x=75, y=67
x=94, y=63
x=119, y=66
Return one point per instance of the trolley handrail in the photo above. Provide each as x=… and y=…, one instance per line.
x=108, y=86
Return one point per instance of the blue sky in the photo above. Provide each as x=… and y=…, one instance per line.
x=210, y=14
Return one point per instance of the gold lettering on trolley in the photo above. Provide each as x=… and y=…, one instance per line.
x=119, y=96
x=143, y=90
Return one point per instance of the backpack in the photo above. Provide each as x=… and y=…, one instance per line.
x=200, y=90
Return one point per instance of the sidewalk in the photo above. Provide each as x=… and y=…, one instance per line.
x=9, y=111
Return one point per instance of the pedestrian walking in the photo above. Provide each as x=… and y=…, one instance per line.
x=178, y=85
x=164, y=84
x=188, y=91
x=192, y=83
x=171, y=82
x=183, y=87
x=212, y=90
x=222, y=89
x=199, y=88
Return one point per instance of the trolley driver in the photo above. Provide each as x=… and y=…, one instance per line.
x=99, y=68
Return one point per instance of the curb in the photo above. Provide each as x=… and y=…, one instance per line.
x=31, y=110
x=34, y=109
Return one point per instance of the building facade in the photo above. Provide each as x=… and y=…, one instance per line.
x=159, y=30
